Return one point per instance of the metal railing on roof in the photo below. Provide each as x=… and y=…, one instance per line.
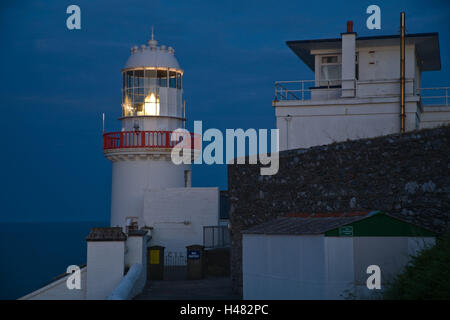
x=437, y=96
x=216, y=237
x=301, y=89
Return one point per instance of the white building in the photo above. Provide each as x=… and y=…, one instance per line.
x=326, y=257
x=148, y=189
x=355, y=92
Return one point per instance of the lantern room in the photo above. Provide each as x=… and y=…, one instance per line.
x=152, y=83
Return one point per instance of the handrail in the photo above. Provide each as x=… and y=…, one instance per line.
x=284, y=93
x=301, y=90
x=439, y=100
x=126, y=287
x=216, y=237
x=143, y=139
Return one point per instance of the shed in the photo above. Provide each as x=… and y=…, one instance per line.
x=325, y=256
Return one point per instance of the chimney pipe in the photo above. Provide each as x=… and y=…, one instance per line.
x=349, y=26
x=348, y=74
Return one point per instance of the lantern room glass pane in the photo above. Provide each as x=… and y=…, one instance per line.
x=172, y=79
x=179, y=80
x=139, y=78
x=129, y=83
x=151, y=104
x=150, y=78
x=162, y=77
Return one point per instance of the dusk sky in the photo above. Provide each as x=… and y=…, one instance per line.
x=55, y=82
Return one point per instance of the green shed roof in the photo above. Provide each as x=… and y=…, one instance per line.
x=380, y=224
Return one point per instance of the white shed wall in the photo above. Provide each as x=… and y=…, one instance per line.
x=339, y=268
x=283, y=267
x=318, y=267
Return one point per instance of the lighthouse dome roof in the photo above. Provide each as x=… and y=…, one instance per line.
x=152, y=56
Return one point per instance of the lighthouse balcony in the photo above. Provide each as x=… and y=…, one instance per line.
x=156, y=140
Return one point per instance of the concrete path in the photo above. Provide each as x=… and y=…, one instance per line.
x=205, y=289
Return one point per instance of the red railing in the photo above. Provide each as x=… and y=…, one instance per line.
x=142, y=139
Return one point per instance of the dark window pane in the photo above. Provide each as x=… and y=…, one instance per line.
x=151, y=78
x=173, y=79
x=139, y=78
x=179, y=80
x=162, y=76
x=332, y=59
x=129, y=79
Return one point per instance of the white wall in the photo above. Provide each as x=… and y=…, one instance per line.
x=434, y=116
x=283, y=267
x=130, y=179
x=339, y=267
x=318, y=267
x=380, y=63
x=166, y=210
x=57, y=290
x=105, y=267
x=320, y=123
x=136, y=253
x=391, y=254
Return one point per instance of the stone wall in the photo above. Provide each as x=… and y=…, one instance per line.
x=217, y=262
x=406, y=175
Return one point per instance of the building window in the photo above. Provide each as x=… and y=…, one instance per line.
x=330, y=70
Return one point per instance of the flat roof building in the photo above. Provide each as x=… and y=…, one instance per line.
x=355, y=92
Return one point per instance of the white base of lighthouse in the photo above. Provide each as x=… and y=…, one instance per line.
x=132, y=174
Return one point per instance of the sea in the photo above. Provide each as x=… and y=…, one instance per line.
x=32, y=254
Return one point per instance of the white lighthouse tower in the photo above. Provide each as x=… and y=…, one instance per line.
x=152, y=108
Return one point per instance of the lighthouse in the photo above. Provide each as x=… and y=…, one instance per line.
x=152, y=108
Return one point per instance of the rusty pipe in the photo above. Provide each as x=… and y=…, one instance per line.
x=402, y=73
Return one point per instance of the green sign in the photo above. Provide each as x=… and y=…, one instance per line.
x=346, y=231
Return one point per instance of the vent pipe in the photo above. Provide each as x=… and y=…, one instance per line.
x=348, y=73
x=349, y=26
x=402, y=73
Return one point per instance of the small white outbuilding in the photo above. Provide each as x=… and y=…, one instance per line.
x=326, y=256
